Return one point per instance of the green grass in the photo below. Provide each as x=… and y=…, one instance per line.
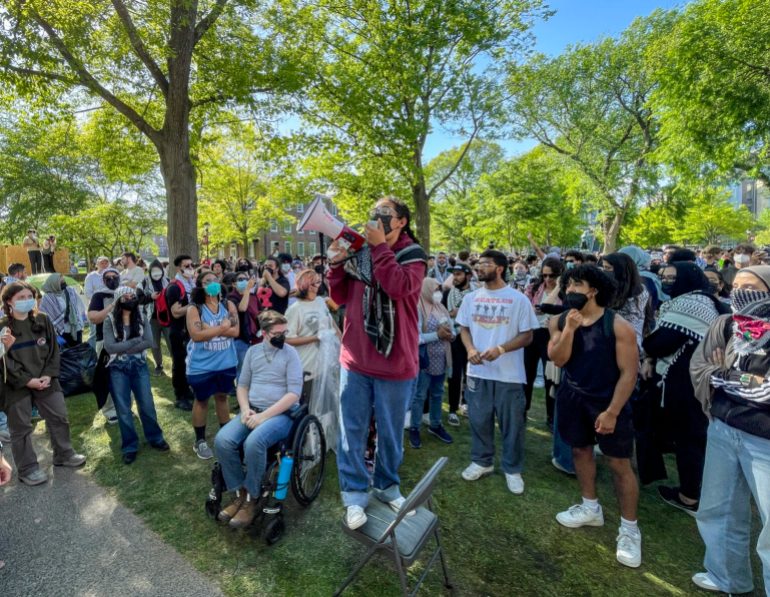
x=496, y=543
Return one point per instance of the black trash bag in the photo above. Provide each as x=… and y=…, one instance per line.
x=77, y=368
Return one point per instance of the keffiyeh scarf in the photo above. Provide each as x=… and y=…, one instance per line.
x=690, y=314
x=751, y=329
x=378, y=308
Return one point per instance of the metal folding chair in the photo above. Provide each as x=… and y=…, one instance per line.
x=401, y=535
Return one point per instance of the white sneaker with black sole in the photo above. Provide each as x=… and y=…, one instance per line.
x=453, y=420
x=580, y=516
x=396, y=505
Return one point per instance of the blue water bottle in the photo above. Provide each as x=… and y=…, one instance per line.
x=284, y=472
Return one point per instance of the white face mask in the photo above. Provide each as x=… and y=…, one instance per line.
x=742, y=258
x=437, y=296
x=156, y=274
x=188, y=272
x=286, y=268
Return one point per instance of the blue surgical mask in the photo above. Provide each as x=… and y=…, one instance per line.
x=213, y=288
x=24, y=305
x=241, y=285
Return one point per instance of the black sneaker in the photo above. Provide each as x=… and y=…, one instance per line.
x=158, y=371
x=440, y=433
x=184, y=404
x=670, y=495
x=414, y=437
x=161, y=446
x=129, y=457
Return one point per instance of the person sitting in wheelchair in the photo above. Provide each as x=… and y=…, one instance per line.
x=269, y=387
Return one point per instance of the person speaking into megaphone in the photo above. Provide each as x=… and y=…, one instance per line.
x=380, y=285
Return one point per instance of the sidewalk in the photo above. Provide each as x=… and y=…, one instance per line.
x=70, y=538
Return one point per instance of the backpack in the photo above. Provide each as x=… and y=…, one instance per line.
x=162, y=309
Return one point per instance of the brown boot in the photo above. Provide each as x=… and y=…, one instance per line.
x=227, y=513
x=245, y=516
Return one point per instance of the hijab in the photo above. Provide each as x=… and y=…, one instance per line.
x=52, y=285
x=689, y=278
x=426, y=305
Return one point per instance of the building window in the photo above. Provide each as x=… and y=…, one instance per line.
x=300, y=208
x=287, y=247
x=300, y=248
x=311, y=248
x=273, y=226
x=287, y=227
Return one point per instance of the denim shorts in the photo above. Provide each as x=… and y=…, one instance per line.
x=205, y=385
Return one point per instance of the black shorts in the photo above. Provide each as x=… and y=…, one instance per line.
x=576, y=419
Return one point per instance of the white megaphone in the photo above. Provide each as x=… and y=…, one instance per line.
x=318, y=219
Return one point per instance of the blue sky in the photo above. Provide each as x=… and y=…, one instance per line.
x=575, y=21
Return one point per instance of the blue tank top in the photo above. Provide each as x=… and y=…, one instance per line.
x=216, y=354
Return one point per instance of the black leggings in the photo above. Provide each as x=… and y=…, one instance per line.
x=535, y=353
x=459, y=365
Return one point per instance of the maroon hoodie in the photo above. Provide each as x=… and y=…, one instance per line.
x=402, y=283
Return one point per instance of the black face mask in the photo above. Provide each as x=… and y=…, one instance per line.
x=278, y=341
x=714, y=286
x=575, y=300
x=63, y=285
x=112, y=283
x=129, y=305
x=319, y=269
x=667, y=287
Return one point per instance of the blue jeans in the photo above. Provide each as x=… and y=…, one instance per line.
x=487, y=398
x=737, y=467
x=562, y=452
x=3, y=421
x=241, y=348
x=433, y=385
x=256, y=443
x=126, y=377
x=360, y=396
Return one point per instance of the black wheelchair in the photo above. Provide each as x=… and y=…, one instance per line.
x=306, y=444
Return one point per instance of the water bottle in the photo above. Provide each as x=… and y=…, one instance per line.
x=284, y=472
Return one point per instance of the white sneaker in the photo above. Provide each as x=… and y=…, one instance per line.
x=355, y=517
x=464, y=410
x=453, y=420
x=580, y=516
x=396, y=505
x=476, y=471
x=703, y=580
x=515, y=483
x=629, y=552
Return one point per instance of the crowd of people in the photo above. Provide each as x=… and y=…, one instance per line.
x=638, y=352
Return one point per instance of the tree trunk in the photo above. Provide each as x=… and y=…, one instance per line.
x=181, y=198
x=421, y=215
x=612, y=232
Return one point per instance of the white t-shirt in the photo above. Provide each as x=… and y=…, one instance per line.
x=495, y=317
x=135, y=275
x=308, y=318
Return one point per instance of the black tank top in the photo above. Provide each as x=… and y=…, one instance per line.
x=592, y=370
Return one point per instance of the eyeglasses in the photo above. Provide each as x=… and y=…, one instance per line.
x=550, y=276
x=381, y=211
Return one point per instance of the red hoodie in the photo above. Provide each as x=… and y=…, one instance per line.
x=402, y=283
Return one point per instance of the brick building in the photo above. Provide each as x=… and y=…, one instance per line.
x=281, y=234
